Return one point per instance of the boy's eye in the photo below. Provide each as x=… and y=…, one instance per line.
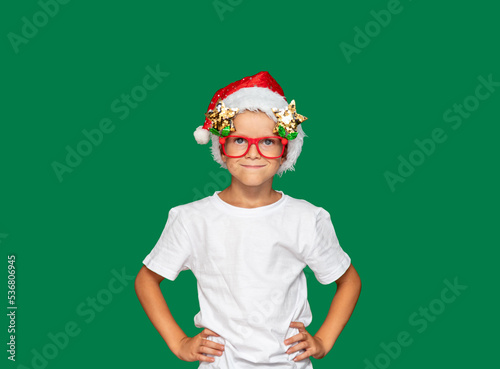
x=239, y=140
x=268, y=141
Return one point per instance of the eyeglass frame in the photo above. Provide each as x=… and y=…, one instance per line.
x=251, y=141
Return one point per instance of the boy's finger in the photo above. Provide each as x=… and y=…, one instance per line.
x=202, y=357
x=292, y=339
x=212, y=344
x=211, y=332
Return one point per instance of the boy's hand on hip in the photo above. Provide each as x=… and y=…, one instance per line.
x=312, y=345
x=193, y=348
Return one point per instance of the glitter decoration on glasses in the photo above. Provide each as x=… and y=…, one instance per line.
x=288, y=121
x=222, y=119
x=286, y=126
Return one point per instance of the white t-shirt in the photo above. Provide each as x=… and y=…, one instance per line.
x=249, y=267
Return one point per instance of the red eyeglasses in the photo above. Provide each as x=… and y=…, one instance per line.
x=270, y=147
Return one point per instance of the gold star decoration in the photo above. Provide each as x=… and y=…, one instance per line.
x=288, y=121
x=221, y=116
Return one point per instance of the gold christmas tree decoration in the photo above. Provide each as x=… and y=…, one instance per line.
x=288, y=121
x=222, y=117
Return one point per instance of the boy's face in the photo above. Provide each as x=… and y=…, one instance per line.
x=253, y=169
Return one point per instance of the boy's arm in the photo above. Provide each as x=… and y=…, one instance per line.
x=343, y=303
x=147, y=288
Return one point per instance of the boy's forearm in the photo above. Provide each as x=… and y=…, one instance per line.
x=341, y=309
x=156, y=308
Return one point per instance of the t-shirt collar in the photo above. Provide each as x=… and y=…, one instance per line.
x=236, y=210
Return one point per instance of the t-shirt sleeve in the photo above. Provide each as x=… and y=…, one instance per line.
x=323, y=254
x=172, y=252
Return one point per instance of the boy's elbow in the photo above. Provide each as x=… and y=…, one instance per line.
x=138, y=281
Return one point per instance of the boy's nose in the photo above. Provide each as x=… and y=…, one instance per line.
x=253, y=151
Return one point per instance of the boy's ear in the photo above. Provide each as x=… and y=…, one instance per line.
x=283, y=158
x=223, y=157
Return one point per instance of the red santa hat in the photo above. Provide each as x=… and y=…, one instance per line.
x=259, y=92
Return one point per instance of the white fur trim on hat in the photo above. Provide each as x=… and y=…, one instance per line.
x=256, y=98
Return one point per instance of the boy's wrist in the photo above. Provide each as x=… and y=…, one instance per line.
x=327, y=343
x=175, y=345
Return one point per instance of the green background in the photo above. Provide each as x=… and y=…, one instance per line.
x=69, y=234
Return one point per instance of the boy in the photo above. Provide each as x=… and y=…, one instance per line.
x=248, y=244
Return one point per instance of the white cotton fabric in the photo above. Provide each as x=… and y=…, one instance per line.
x=249, y=267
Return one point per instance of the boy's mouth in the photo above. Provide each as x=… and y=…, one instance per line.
x=252, y=166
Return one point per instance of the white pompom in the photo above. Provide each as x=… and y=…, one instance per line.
x=201, y=135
